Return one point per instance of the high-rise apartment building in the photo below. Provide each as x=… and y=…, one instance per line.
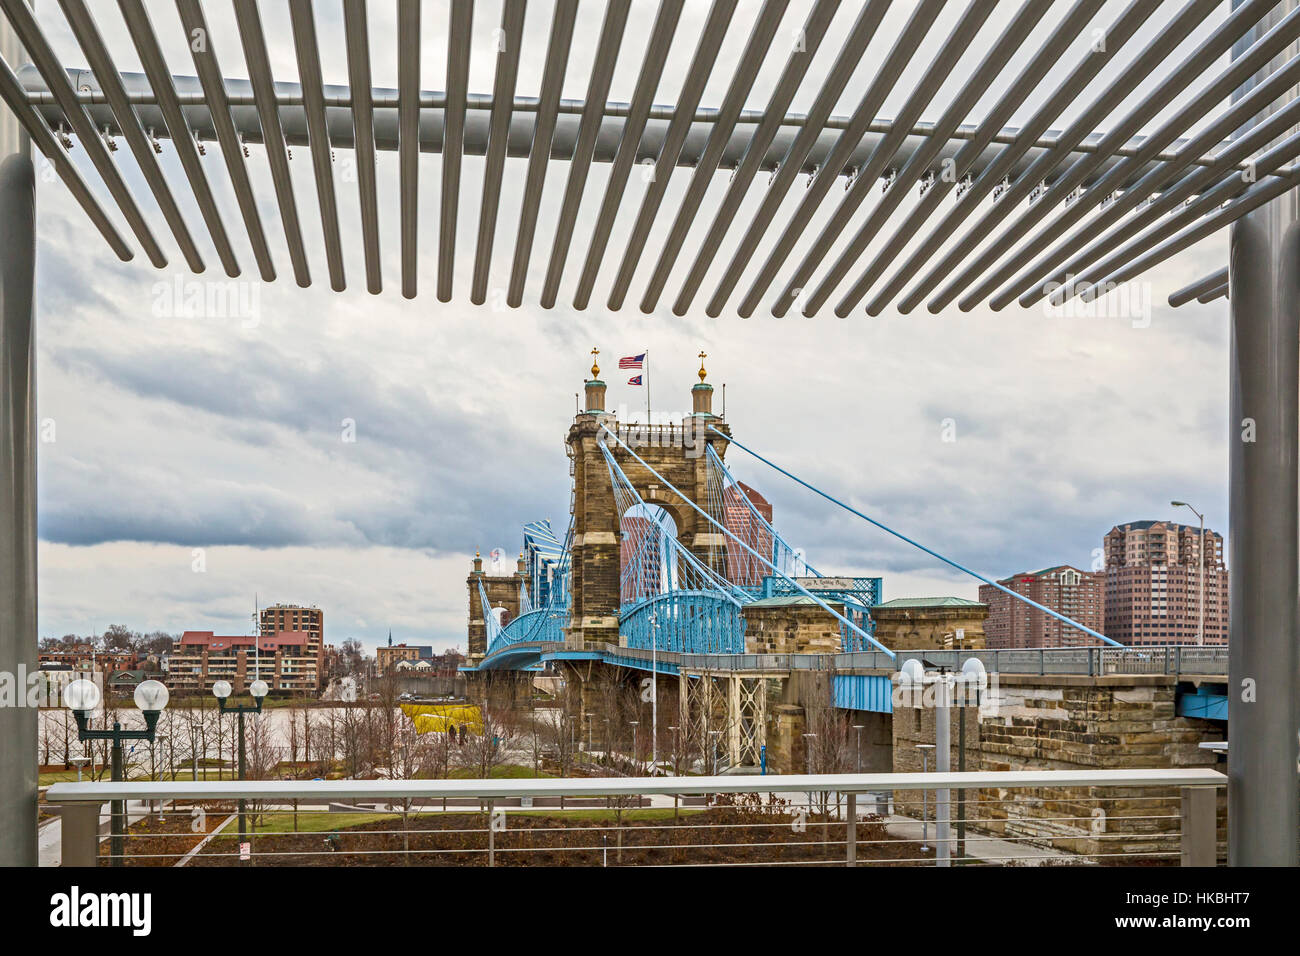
x=298, y=619
x=1155, y=573
x=1079, y=595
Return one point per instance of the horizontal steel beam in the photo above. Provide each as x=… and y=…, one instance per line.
x=338, y=102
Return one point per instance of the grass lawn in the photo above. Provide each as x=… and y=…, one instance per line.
x=509, y=771
x=316, y=822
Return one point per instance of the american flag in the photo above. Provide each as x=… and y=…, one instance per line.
x=632, y=361
x=634, y=380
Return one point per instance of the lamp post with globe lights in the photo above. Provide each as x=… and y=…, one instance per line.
x=221, y=690
x=82, y=697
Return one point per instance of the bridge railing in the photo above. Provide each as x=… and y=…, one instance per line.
x=1026, y=817
x=1092, y=661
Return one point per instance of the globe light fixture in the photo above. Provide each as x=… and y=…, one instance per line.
x=258, y=689
x=151, y=695
x=82, y=695
x=221, y=689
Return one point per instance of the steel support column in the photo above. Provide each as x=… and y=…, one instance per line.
x=17, y=484
x=1264, y=274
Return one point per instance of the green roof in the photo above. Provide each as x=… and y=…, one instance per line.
x=790, y=600
x=931, y=602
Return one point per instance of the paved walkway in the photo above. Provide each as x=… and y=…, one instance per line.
x=49, y=839
x=981, y=847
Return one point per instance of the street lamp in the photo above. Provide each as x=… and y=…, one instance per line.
x=82, y=697
x=636, y=752
x=858, y=743
x=221, y=690
x=1200, y=572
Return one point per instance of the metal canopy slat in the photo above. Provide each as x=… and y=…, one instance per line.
x=1028, y=283
x=1149, y=209
x=652, y=68
x=1249, y=201
x=760, y=39
x=38, y=48
x=882, y=157
x=557, y=61
x=11, y=91
x=1039, y=66
x=814, y=30
x=146, y=46
x=1185, y=217
x=602, y=73
x=232, y=149
x=503, y=91
x=989, y=69
x=1200, y=287
x=1104, y=200
x=1222, y=86
x=453, y=139
x=408, y=137
x=259, y=69
x=363, y=136
x=842, y=70
x=1148, y=60
x=101, y=64
x=307, y=50
x=1149, y=107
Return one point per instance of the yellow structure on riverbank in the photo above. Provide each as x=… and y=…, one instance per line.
x=442, y=718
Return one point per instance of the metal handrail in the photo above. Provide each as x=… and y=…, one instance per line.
x=493, y=789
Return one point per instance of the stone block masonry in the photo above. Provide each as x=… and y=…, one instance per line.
x=1070, y=722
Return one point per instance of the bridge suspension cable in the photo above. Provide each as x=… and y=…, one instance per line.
x=916, y=544
x=854, y=628
x=729, y=503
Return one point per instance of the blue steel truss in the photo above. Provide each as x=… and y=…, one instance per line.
x=690, y=622
x=534, y=624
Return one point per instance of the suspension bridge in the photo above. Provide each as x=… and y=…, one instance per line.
x=667, y=556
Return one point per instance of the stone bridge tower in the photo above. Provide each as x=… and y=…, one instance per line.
x=677, y=452
x=502, y=591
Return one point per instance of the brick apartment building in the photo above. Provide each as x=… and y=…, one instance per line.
x=1079, y=595
x=284, y=660
x=1153, y=588
x=296, y=618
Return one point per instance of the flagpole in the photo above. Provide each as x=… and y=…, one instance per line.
x=647, y=388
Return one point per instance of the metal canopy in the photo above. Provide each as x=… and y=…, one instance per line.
x=971, y=209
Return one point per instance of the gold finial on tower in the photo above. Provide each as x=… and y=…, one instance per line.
x=703, y=356
x=595, y=369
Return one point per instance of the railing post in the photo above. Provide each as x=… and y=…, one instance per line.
x=851, y=834
x=1198, y=821
x=79, y=836
x=492, y=832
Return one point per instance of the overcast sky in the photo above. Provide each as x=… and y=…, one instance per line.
x=198, y=465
